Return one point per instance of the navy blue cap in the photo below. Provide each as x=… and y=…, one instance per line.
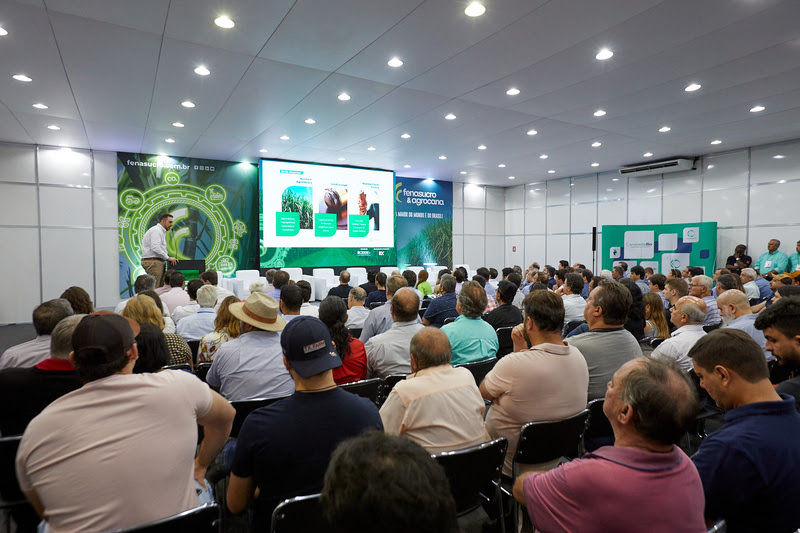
x=307, y=345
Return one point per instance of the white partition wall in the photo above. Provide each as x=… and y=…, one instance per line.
x=479, y=225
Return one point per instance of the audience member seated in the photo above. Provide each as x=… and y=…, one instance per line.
x=202, y=322
x=145, y=282
x=444, y=306
x=749, y=466
x=470, y=337
x=356, y=496
x=379, y=320
x=703, y=287
x=291, y=302
x=656, y=319
x=561, y=278
x=751, y=289
x=269, y=275
x=438, y=406
x=637, y=276
x=636, y=314
x=543, y=379
x=284, y=448
x=251, y=365
x=423, y=286
x=25, y=392
x=658, y=282
x=306, y=309
x=119, y=451
x=607, y=345
x=280, y=279
x=209, y=277
x=676, y=289
x=411, y=279
x=587, y=276
x=516, y=279
x=333, y=313
x=687, y=317
x=165, y=288
x=258, y=285
x=644, y=482
x=574, y=303
x=79, y=300
x=356, y=312
x=182, y=311
x=142, y=309
x=342, y=290
x=388, y=353
x=45, y=317
x=226, y=327
x=379, y=294
x=726, y=282
x=152, y=348
x=176, y=296
x=491, y=303
x=781, y=326
x=773, y=261
x=505, y=315
x=488, y=287
x=370, y=286
x=617, y=273
x=739, y=260
x=734, y=307
x=461, y=276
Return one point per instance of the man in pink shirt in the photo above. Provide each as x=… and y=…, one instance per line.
x=641, y=483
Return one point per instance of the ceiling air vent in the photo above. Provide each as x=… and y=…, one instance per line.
x=659, y=167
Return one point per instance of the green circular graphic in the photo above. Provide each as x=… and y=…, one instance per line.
x=172, y=178
x=216, y=194
x=675, y=263
x=131, y=199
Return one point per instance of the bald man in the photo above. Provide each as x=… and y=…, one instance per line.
x=688, y=317
x=734, y=307
x=388, y=353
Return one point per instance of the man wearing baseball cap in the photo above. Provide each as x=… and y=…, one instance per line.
x=119, y=451
x=284, y=448
x=251, y=365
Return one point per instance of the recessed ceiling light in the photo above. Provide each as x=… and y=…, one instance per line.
x=475, y=9
x=710, y=167
x=169, y=140
x=263, y=150
x=779, y=156
x=543, y=156
x=371, y=148
x=310, y=121
x=692, y=87
x=599, y=113
x=532, y=132
x=595, y=164
x=463, y=172
x=40, y=106
x=3, y=32
x=647, y=154
x=202, y=71
x=512, y=91
x=551, y=171
x=756, y=109
x=609, y=190
x=597, y=144
x=482, y=147
x=344, y=97
x=664, y=129
x=53, y=127
x=341, y=159
x=395, y=62
x=21, y=77
x=187, y=103
x=442, y=157
x=781, y=181
x=501, y=165
x=614, y=179
x=178, y=124
x=405, y=136
x=224, y=22
x=512, y=177
x=604, y=54
x=406, y=166
x=450, y=116
x=717, y=141
x=284, y=137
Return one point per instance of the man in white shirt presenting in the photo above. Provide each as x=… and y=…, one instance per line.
x=154, y=249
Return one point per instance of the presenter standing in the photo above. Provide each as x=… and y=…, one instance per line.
x=154, y=249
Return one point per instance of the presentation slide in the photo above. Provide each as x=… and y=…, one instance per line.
x=326, y=215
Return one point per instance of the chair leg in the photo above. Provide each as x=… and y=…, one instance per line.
x=498, y=494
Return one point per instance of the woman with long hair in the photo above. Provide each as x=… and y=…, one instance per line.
x=153, y=350
x=656, y=326
x=169, y=324
x=333, y=313
x=226, y=327
x=636, y=321
x=142, y=309
x=422, y=283
x=79, y=299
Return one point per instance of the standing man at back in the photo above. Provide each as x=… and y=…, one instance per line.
x=154, y=249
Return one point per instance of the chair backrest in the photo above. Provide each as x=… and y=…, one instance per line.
x=201, y=370
x=712, y=327
x=540, y=442
x=366, y=388
x=389, y=382
x=9, y=488
x=425, y=303
x=302, y=514
x=375, y=305
x=471, y=470
x=479, y=369
x=247, y=274
x=183, y=366
x=203, y=519
x=355, y=332
x=506, y=345
x=599, y=432
x=449, y=319
x=571, y=325
x=244, y=408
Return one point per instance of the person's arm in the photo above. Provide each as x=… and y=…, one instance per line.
x=519, y=337
x=425, y=321
x=217, y=425
x=758, y=307
x=241, y=491
x=519, y=494
x=392, y=414
x=429, y=316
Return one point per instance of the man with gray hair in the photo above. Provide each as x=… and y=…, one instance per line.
x=688, y=317
x=702, y=287
x=356, y=312
x=444, y=306
x=387, y=353
x=45, y=318
x=438, y=406
x=471, y=338
x=25, y=392
x=773, y=261
x=379, y=320
x=145, y=282
x=194, y=326
x=734, y=307
x=749, y=277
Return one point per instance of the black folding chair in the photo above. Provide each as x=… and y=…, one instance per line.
x=599, y=433
x=194, y=346
x=720, y=526
x=479, y=369
x=355, y=332
x=388, y=384
x=449, y=320
x=186, y=367
x=425, y=303
x=375, y=305
x=12, y=501
x=712, y=327
x=302, y=514
x=474, y=474
x=203, y=519
x=504, y=341
x=571, y=325
x=366, y=388
x=244, y=408
x=201, y=370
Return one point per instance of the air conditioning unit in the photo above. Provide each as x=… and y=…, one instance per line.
x=659, y=167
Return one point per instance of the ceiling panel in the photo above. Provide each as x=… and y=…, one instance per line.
x=10, y=128
x=114, y=137
x=119, y=12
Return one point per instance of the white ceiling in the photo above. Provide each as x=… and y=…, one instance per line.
x=114, y=74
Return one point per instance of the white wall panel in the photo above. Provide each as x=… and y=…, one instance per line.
x=63, y=206
x=759, y=237
x=558, y=192
x=474, y=196
x=612, y=186
x=106, y=267
x=474, y=251
x=727, y=240
x=557, y=249
x=774, y=203
x=644, y=187
x=515, y=222
x=775, y=162
x=105, y=169
x=66, y=260
x=515, y=197
x=535, y=220
x=584, y=218
x=17, y=205
x=494, y=253
x=725, y=170
x=534, y=250
x=584, y=189
x=581, y=250
x=20, y=270
x=535, y=195
x=458, y=249
x=458, y=195
x=458, y=220
x=682, y=208
x=105, y=208
x=474, y=223
x=611, y=214
x=65, y=167
x=644, y=211
x=726, y=207
x=495, y=222
x=18, y=163
x=558, y=219
x=683, y=182
x=514, y=250
x=495, y=198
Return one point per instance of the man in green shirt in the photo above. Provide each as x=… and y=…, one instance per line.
x=471, y=338
x=773, y=261
x=794, y=259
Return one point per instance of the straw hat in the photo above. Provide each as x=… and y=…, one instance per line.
x=260, y=311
